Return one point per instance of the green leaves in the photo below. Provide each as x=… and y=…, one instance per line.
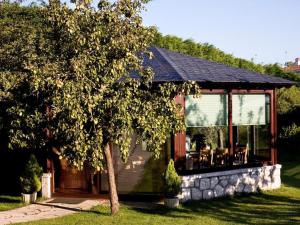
x=172, y=181
x=77, y=64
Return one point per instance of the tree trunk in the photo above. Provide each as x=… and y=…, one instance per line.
x=113, y=195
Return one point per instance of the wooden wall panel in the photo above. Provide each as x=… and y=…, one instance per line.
x=179, y=140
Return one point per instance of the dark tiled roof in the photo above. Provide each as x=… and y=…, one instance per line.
x=175, y=67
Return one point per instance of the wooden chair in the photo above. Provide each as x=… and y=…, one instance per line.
x=221, y=156
x=241, y=153
x=206, y=156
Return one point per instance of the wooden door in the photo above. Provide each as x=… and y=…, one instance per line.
x=72, y=179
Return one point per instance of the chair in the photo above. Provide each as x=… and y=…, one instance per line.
x=221, y=156
x=206, y=156
x=241, y=153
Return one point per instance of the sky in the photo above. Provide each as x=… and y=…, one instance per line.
x=267, y=31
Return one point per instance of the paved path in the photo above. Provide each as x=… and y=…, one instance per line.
x=51, y=208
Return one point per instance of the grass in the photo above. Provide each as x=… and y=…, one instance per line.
x=10, y=202
x=281, y=206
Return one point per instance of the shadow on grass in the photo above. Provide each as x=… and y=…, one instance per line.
x=251, y=209
x=291, y=174
x=261, y=208
x=9, y=199
x=74, y=209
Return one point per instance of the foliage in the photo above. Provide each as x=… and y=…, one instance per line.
x=288, y=99
x=76, y=88
x=172, y=180
x=288, y=105
x=19, y=117
x=292, y=131
x=30, y=179
x=74, y=67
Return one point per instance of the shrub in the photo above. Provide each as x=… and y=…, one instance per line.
x=30, y=179
x=172, y=181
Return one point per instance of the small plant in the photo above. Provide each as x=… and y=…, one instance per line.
x=172, y=181
x=30, y=179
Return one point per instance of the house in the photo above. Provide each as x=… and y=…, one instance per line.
x=229, y=144
x=293, y=67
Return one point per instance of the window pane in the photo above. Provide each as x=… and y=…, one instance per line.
x=249, y=109
x=206, y=146
x=207, y=110
x=262, y=141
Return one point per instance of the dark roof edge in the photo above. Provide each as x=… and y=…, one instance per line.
x=234, y=85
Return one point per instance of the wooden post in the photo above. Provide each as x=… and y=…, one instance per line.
x=230, y=129
x=273, y=112
x=179, y=140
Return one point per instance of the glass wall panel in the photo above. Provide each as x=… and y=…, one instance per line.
x=249, y=109
x=251, y=130
x=207, y=129
x=206, y=110
x=262, y=141
x=206, y=146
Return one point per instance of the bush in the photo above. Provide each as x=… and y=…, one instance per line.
x=289, y=142
x=30, y=179
x=172, y=181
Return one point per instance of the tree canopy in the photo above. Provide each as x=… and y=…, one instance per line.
x=75, y=87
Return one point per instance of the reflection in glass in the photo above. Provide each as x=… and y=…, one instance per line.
x=207, y=129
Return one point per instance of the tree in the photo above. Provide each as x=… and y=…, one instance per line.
x=19, y=27
x=84, y=70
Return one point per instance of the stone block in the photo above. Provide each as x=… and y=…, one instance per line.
x=267, y=172
x=204, y=183
x=248, y=180
x=185, y=195
x=249, y=188
x=213, y=182
x=197, y=182
x=208, y=194
x=196, y=194
x=223, y=177
x=224, y=183
x=218, y=191
x=255, y=179
x=229, y=190
x=187, y=183
x=234, y=179
x=275, y=172
x=266, y=184
x=240, y=188
x=276, y=183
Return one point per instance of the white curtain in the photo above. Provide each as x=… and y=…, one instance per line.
x=206, y=110
x=249, y=109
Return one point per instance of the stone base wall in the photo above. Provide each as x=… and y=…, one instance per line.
x=225, y=183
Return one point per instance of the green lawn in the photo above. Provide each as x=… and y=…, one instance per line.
x=274, y=207
x=9, y=202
